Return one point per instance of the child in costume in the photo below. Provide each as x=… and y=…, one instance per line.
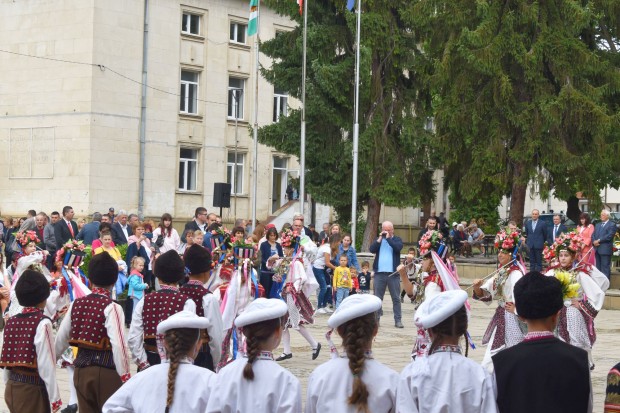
x=355, y=381
x=198, y=262
x=554, y=375
x=504, y=330
x=576, y=322
x=28, y=356
x=95, y=325
x=255, y=383
x=444, y=380
x=146, y=345
x=176, y=384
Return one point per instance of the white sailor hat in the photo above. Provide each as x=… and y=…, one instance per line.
x=261, y=309
x=354, y=306
x=183, y=319
x=440, y=307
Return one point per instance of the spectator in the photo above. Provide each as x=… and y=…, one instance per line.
x=535, y=235
x=586, y=229
x=105, y=238
x=335, y=229
x=323, y=235
x=28, y=223
x=315, y=235
x=106, y=219
x=140, y=246
x=268, y=249
x=199, y=222
x=387, y=249
x=345, y=248
x=461, y=246
x=557, y=229
x=476, y=237
x=120, y=230
x=90, y=231
x=304, y=230
x=165, y=237
x=66, y=228
x=320, y=265
x=40, y=221
x=111, y=215
x=104, y=226
x=602, y=239
x=258, y=234
x=431, y=224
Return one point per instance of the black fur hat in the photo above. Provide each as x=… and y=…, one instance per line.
x=32, y=288
x=103, y=270
x=538, y=296
x=169, y=267
x=197, y=259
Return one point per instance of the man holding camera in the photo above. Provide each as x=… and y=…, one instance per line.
x=387, y=258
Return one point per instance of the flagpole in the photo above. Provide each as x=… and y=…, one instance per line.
x=255, y=163
x=302, y=151
x=356, y=126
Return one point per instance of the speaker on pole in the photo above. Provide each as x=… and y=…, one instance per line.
x=221, y=195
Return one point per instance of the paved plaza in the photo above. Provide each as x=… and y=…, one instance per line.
x=393, y=346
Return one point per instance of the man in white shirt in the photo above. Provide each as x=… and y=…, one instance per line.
x=120, y=230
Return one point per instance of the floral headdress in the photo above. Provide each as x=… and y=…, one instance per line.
x=506, y=241
x=289, y=238
x=71, y=246
x=25, y=238
x=568, y=241
x=570, y=287
x=431, y=240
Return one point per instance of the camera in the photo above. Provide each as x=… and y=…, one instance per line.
x=148, y=235
x=384, y=234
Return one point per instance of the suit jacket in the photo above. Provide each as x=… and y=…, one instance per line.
x=62, y=233
x=49, y=237
x=561, y=230
x=535, y=239
x=118, y=236
x=397, y=245
x=89, y=232
x=606, y=235
x=545, y=375
x=191, y=225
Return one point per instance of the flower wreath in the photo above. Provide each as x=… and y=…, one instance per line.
x=506, y=241
x=71, y=247
x=289, y=238
x=430, y=240
x=25, y=238
x=570, y=241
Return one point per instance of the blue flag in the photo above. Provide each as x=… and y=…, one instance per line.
x=350, y=4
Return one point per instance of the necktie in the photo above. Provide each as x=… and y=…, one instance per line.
x=71, y=230
x=555, y=232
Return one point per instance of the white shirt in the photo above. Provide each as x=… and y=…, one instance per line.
x=124, y=228
x=172, y=242
x=115, y=327
x=211, y=307
x=147, y=392
x=331, y=384
x=445, y=382
x=273, y=390
x=319, y=262
x=46, y=359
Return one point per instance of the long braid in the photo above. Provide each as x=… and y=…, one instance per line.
x=356, y=336
x=255, y=335
x=453, y=326
x=178, y=344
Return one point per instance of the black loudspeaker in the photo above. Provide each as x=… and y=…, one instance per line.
x=221, y=195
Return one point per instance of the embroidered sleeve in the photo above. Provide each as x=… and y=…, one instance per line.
x=587, y=308
x=46, y=361
x=115, y=325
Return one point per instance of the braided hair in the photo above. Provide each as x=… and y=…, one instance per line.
x=357, y=336
x=255, y=335
x=179, y=342
x=453, y=326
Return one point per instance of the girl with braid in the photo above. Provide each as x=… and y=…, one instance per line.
x=445, y=380
x=176, y=385
x=255, y=382
x=355, y=382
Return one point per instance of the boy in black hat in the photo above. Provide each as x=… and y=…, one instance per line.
x=198, y=262
x=542, y=373
x=146, y=345
x=95, y=325
x=27, y=352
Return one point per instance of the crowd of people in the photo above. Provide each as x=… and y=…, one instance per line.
x=207, y=309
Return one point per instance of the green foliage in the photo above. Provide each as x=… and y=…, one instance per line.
x=483, y=210
x=88, y=251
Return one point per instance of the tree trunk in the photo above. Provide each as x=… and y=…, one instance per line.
x=517, y=196
x=372, y=223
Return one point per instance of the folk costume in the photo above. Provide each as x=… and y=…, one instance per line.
x=444, y=381
x=273, y=389
x=95, y=325
x=576, y=321
x=504, y=330
x=330, y=384
x=146, y=392
x=146, y=345
x=28, y=356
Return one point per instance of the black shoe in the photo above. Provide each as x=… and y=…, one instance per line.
x=402, y=299
x=316, y=351
x=592, y=367
x=72, y=408
x=285, y=357
x=399, y=324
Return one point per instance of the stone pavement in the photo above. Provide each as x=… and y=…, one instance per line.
x=393, y=347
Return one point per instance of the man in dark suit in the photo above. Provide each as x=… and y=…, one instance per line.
x=65, y=229
x=557, y=229
x=198, y=223
x=602, y=240
x=120, y=230
x=90, y=231
x=535, y=232
x=542, y=373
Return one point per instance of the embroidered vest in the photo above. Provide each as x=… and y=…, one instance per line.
x=88, y=323
x=158, y=307
x=195, y=292
x=19, y=333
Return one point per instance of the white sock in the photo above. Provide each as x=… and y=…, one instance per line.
x=306, y=334
x=286, y=341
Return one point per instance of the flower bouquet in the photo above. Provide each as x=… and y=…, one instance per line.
x=220, y=239
x=243, y=248
x=570, y=287
x=430, y=240
x=71, y=253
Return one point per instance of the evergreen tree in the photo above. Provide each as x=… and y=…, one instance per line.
x=396, y=156
x=523, y=91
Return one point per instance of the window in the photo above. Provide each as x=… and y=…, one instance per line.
x=189, y=92
x=188, y=169
x=237, y=32
x=236, y=89
x=234, y=172
x=190, y=24
x=280, y=108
